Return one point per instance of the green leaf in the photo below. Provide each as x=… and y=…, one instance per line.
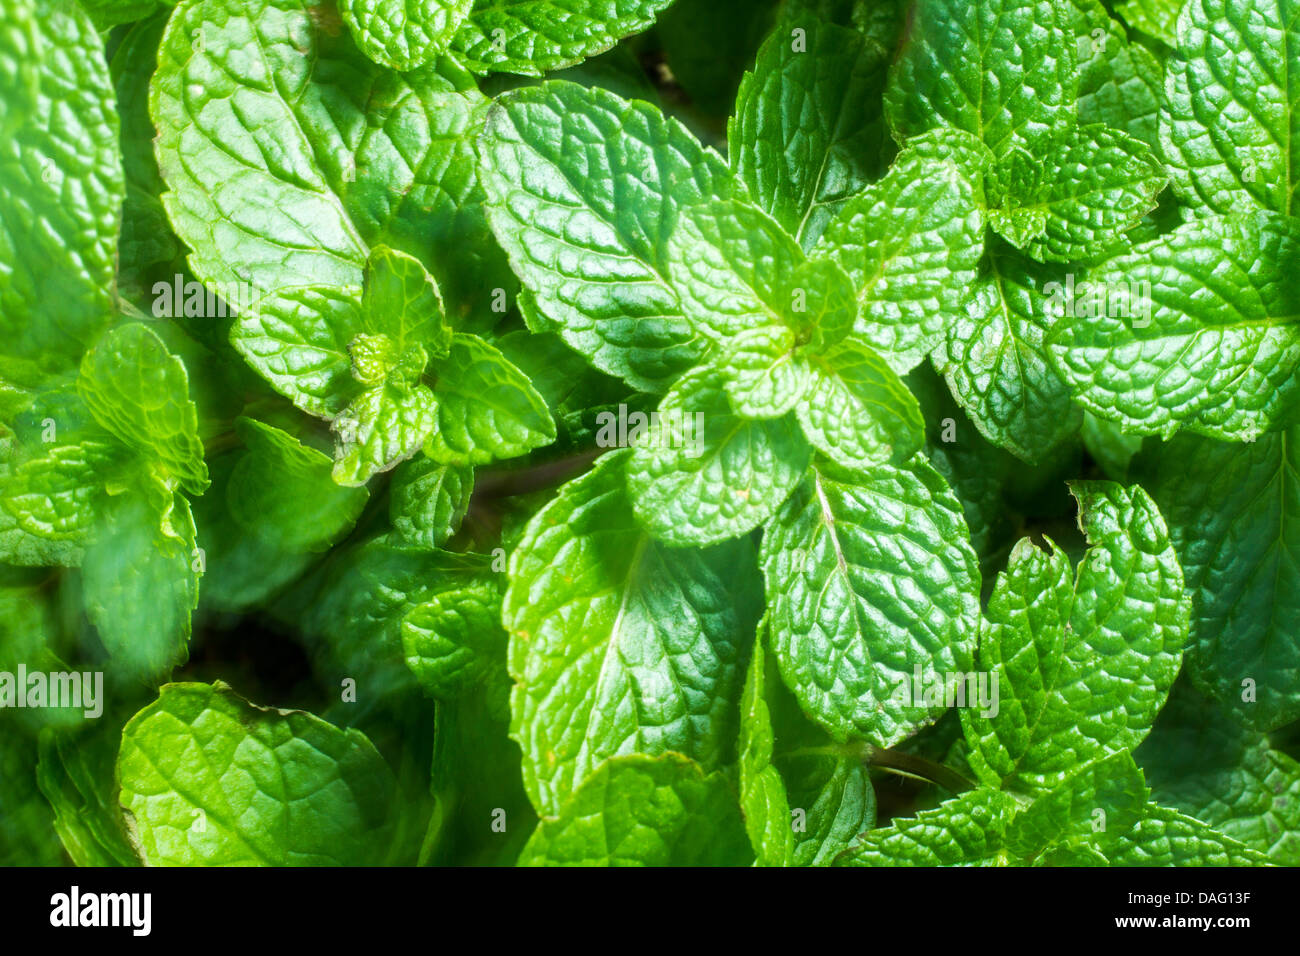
x=1097, y=804
x=211, y=779
x=139, y=392
x=1121, y=84
x=148, y=251
x=110, y=13
x=1191, y=330
x=428, y=501
x=1168, y=838
x=1084, y=660
x=533, y=37
x=636, y=810
x=1232, y=512
x=849, y=624
x=1227, y=133
x=77, y=775
x=404, y=34
x=402, y=301
x=785, y=760
x=298, y=341
x=385, y=425
x=61, y=205
x=966, y=831
x=618, y=644
x=487, y=409
x=766, y=375
x=454, y=641
x=240, y=569
x=21, y=547
x=1158, y=18
x=350, y=610
x=976, y=470
x=911, y=244
x=140, y=581
x=282, y=491
x=808, y=129
x=1081, y=189
x=585, y=212
x=703, y=474
x=732, y=264
x=476, y=782
x=55, y=496
x=995, y=359
x=1003, y=70
x=1201, y=762
x=306, y=154
x=28, y=837
x=857, y=412
x=763, y=798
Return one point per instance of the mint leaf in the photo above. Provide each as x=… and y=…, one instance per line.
x=766, y=373
x=284, y=191
x=1231, y=519
x=385, y=425
x=402, y=301
x=77, y=775
x=271, y=787
x=857, y=411
x=1168, y=838
x=808, y=129
x=62, y=169
x=486, y=409
x=428, y=501
x=847, y=629
x=30, y=837
x=1121, y=84
x=803, y=799
x=704, y=474
x=1084, y=659
x=1003, y=70
x=1200, y=762
x=966, y=831
x=148, y=251
x=1090, y=809
x=977, y=471
x=140, y=578
x=298, y=341
x=911, y=244
x=350, y=609
x=995, y=359
x=404, y=34
x=618, y=644
x=731, y=264
x=282, y=492
x=454, y=642
x=533, y=37
x=54, y=497
x=763, y=798
x=643, y=811
x=1075, y=194
x=1158, y=18
x=1226, y=134
x=585, y=213
x=1191, y=330
x=139, y=392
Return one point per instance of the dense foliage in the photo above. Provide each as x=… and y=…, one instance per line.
x=853, y=432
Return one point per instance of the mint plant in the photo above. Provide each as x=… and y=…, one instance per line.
x=553, y=432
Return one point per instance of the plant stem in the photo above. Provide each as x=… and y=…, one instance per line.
x=911, y=765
